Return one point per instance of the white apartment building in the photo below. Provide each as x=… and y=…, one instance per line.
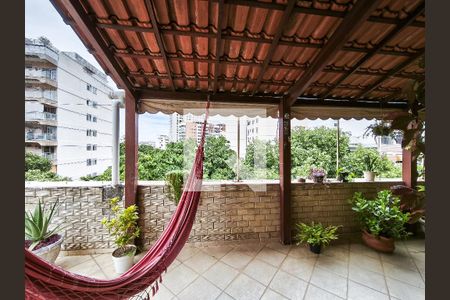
x=162, y=141
x=264, y=129
x=68, y=116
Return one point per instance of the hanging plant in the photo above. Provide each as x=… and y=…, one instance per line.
x=380, y=128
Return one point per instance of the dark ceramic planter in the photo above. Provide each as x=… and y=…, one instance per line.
x=315, y=248
x=382, y=244
x=318, y=179
x=343, y=177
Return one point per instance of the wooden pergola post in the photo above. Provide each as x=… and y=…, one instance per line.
x=131, y=149
x=409, y=169
x=285, y=171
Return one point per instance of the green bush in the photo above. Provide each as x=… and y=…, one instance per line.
x=38, y=175
x=174, y=184
x=316, y=234
x=36, y=162
x=381, y=216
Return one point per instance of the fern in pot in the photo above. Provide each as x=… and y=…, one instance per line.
x=40, y=238
x=316, y=236
x=123, y=226
x=370, y=167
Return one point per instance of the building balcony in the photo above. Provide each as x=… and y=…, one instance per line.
x=40, y=117
x=42, y=97
x=50, y=156
x=43, y=139
x=41, y=78
x=39, y=53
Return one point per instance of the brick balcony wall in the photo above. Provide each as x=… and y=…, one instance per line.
x=227, y=211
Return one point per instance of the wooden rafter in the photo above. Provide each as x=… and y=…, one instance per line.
x=390, y=73
x=273, y=46
x=151, y=13
x=88, y=34
x=393, y=33
x=260, y=40
x=359, y=13
x=218, y=44
x=315, y=11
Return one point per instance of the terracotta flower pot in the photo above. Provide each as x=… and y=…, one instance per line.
x=382, y=244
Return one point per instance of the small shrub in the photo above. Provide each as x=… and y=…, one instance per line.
x=174, y=184
x=123, y=224
x=316, y=234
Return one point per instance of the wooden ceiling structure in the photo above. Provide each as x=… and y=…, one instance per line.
x=317, y=58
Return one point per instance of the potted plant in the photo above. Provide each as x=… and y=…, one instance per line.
x=343, y=175
x=370, y=165
x=413, y=202
x=317, y=175
x=301, y=180
x=382, y=220
x=39, y=238
x=316, y=235
x=124, y=228
x=174, y=184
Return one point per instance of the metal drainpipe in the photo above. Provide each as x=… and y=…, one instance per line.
x=117, y=104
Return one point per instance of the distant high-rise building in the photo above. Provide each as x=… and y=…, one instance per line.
x=264, y=129
x=162, y=141
x=190, y=127
x=68, y=115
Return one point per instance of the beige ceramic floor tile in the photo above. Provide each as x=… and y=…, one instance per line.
x=200, y=289
x=179, y=278
x=225, y=296
x=373, y=280
x=200, y=262
x=67, y=262
x=301, y=252
x=217, y=251
x=270, y=256
x=404, y=291
x=261, y=271
x=315, y=293
x=363, y=250
x=340, y=252
x=279, y=247
x=330, y=282
x=358, y=292
x=163, y=293
x=366, y=262
x=236, y=259
x=415, y=245
x=271, y=295
x=289, y=286
x=333, y=264
x=299, y=267
x=220, y=274
x=187, y=252
x=87, y=268
x=403, y=260
x=245, y=288
x=405, y=275
x=250, y=249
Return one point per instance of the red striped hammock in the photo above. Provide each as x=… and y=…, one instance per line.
x=47, y=282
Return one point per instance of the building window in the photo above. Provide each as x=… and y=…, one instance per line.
x=94, y=132
x=89, y=117
x=91, y=88
x=88, y=147
x=94, y=119
x=88, y=132
x=94, y=161
x=88, y=162
x=94, y=147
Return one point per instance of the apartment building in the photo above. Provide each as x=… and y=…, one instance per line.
x=190, y=127
x=68, y=116
x=264, y=129
x=162, y=142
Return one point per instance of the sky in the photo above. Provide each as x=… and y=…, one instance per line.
x=42, y=19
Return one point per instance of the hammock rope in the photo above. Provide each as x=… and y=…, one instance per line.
x=45, y=281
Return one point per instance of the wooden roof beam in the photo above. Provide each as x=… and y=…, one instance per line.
x=243, y=38
x=390, y=73
x=401, y=26
x=151, y=13
x=358, y=15
x=218, y=45
x=316, y=11
x=283, y=23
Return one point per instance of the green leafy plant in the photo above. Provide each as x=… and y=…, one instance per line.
x=381, y=216
x=123, y=224
x=370, y=162
x=174, y=184
x=37, y=224
x=316, y=234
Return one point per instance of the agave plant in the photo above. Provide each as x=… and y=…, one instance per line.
x=37, y=224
